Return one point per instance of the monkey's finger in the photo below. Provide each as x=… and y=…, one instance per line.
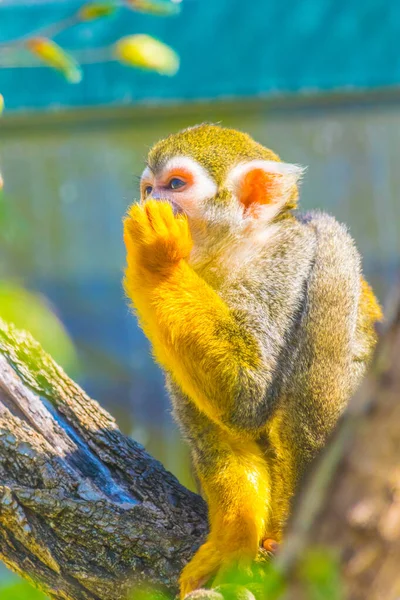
x=152, y=208
x=136, y=212
x=183, y=236
x=182, y=226
x=168, y=216
x=130, y=232
x=136, y=223
x=160, y=216
x=130, y=244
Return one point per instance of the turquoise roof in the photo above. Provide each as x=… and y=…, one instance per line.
x=228, y=48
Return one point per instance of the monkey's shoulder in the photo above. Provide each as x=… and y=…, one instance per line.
x=336, y=261
x=333, y=238
x=325, y=226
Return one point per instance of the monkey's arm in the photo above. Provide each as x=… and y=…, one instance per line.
x=195, y=336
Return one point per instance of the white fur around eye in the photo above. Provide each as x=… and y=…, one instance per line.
x=147, y=175
x=203, y=186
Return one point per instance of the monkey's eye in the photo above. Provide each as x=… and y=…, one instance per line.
x=147, y=190
x=176, y=183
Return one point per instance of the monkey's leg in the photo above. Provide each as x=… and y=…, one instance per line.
x=283, y=457
x=237, y=486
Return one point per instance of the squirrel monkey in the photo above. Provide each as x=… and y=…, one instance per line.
x=260, y=318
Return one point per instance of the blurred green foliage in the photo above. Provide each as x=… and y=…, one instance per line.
x=12, y=222
x=26, y=309
x=318, y=577
x=32, y=312
x=20, y=591
x=320, y=571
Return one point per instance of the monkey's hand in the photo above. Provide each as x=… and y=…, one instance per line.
x=155, y=238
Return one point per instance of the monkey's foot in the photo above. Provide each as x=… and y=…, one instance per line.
x=213, y=567
x=235, y=569
x=200, y=569
x=270, y=545
x=210, y=565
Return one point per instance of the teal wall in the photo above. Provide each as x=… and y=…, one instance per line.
x=228, y=48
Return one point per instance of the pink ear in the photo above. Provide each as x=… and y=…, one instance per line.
x=263, y=182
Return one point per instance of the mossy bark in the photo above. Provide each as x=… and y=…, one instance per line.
x=85, y=512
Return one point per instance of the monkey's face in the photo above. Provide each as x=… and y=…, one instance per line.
x=229, y=186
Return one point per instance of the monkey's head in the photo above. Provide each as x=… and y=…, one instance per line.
x=230, y=187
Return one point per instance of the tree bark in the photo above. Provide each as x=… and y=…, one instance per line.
x=85, y=512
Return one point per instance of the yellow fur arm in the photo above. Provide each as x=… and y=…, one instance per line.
x=193, y=333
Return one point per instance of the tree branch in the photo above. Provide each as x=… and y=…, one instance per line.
x=84, y=511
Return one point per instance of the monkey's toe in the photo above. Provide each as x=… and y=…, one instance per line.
x=270, y=545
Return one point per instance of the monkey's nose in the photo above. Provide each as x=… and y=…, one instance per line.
x=157, y=196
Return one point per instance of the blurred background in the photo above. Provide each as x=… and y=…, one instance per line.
x=316, y=80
